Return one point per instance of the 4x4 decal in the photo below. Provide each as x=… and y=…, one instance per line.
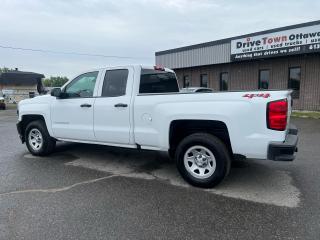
x=263, y=95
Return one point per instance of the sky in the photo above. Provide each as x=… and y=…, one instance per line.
x=129, y=28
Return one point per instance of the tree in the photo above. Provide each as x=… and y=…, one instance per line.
x=5, y=69
x=55, y=81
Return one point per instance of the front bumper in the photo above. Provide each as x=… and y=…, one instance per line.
x=285, y=151
x=20, y=132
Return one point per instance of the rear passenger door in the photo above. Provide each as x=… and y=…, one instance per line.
x=112, y=108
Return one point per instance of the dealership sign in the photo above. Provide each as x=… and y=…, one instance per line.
x=288, y=42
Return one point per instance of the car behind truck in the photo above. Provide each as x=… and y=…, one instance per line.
x=142, y=107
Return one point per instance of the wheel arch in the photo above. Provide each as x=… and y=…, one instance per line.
x=28, y=118
x=179, y=129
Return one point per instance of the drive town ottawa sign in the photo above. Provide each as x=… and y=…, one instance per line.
x=288, y=42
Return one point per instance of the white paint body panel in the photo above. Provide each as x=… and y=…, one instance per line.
x=70, y=121
x=146, y=121
x=112, y=124
x=244, y=118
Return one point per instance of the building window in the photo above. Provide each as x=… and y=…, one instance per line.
x=204, y=80
x=224, y=77
x=186, y=81
x=294, y=81
x=32, y=94
x=264, y=78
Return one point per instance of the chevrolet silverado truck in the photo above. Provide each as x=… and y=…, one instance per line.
x=142, y=108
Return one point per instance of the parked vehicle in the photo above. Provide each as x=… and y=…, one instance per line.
x=141, y=107
x=196, y=90
x=2, y=103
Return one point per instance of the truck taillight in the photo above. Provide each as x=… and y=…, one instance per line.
x=277, y=113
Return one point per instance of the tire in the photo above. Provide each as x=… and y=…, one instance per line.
x=38, y=140
x=203, y=160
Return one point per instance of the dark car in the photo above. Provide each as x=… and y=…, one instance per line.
x=2, y=103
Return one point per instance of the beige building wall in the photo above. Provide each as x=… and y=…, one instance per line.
x=14, y=94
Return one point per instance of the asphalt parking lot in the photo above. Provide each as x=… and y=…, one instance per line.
x=97, y=192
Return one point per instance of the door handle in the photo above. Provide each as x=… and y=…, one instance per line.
x=121, y=105
x=86, y=105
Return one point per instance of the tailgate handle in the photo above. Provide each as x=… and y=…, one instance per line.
x=121, y=105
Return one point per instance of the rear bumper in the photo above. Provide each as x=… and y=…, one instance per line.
x=20, y=132
x=284, y=151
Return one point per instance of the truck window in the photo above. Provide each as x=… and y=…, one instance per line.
x=82, y=86
x=155, y=81
x=115, y=83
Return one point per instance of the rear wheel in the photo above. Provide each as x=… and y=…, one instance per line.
x=38, y=140
x=203, y=160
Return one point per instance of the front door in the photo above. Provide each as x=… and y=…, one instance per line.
x=112, y=110
x=72, y=116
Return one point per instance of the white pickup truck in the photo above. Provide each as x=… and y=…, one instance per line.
x=141, y=107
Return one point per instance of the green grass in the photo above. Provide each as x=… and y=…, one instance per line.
x=306, y=114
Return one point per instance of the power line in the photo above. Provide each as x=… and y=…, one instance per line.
x=70, y=53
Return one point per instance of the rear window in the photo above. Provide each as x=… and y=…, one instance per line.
x=155, y=81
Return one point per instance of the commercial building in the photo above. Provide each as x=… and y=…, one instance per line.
x=17, y=85
x=280, y=58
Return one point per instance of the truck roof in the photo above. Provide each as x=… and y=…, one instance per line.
x=126, y=66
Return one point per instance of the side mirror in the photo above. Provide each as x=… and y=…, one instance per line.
x=56, y=92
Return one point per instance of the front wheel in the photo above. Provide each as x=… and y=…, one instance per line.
x=203, y=160
x=38, y=140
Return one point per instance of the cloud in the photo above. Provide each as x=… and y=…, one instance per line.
x=135, y=28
